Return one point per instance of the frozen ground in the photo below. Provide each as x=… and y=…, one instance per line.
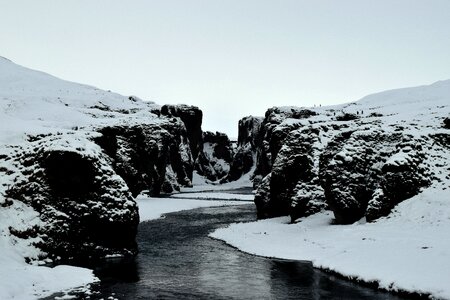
x=216, y=196
x=409, y=250
x=154, y=208
x=19, y=280
x=201, y=184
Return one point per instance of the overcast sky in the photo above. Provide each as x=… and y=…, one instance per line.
x=232, y=58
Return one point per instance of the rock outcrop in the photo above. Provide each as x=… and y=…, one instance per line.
x=76, y=156
x=82, y=183
x=192, y=118
x=249, y=138
x=273, y=131
x=152, y=157
x=350, y=163
x=447, y=123
x=215, y=156
x=366, y=173
x=86, y=209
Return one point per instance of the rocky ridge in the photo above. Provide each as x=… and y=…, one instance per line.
x=359, y=159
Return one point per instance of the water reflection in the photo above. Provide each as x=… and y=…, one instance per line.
x=178, y=260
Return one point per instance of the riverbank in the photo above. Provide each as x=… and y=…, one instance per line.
x=24, y=282
x=407, y=251
x=154, y=208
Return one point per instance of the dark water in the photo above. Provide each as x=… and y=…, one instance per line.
x=178, y=260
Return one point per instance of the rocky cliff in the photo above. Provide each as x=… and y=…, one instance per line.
x=358, y=160
x=215, y=156
x=244, y=158
x=75, y=156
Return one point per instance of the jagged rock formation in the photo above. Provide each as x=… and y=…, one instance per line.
x=153, y=157
x=84, y=193
x=192, y=118
x=215, y=156
x=86, y=209
x=249, y=138
x=366, y=173
x=356, y=164
x=273, y=133
x=75, y=156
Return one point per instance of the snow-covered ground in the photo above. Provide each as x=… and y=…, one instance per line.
x=409, y=250
x=201, y=184
x=216, y=196
x=19, y=280
x=154, y=208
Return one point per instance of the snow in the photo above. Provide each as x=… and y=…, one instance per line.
x=31, y=103
x=36, y=102
x=409, y=250
x=201, y=184
x=20, y=280
x=215, y=196
x=154, y=208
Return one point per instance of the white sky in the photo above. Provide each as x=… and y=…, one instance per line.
x=232, y=58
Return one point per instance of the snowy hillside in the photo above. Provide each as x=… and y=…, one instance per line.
x=71, y=157
x=35, y=102
x=366, y=185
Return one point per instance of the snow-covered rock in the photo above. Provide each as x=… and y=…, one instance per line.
x=192, y=118
x=244, y=158
x=384, y=159
x=73, y=156
x=358, y=159
x=215, y=157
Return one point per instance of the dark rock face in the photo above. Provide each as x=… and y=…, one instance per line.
x=447, y=123
x=286, y=151
x=272, y=134
x=82, y=183
x=402, y=177
x=356, y=170
x=85, y=208
x=150, y=157
x=347, y=117
x=265, y=207
x=248, y=140
x=294, y=182
x=353, y=170
x=215, y=157
x=192, y=118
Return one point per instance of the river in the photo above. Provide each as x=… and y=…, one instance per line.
x=178, y=260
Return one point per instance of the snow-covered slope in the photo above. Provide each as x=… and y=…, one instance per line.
x=36, y=102
x=383, y=159
x=71, y=156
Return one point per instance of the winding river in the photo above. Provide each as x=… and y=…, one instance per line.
x=178, y=260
